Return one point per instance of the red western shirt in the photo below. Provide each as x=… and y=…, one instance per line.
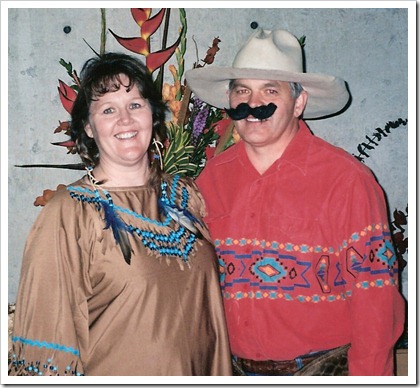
x=305, y=252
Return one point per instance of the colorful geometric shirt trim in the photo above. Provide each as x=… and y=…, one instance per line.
x=273, y=270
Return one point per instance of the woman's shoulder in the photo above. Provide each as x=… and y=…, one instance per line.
x=184, y=192
x=63, y=196
x=177, y=181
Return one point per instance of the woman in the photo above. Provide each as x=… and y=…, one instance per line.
x=118, y=275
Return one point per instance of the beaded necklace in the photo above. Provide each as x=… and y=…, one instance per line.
x=155, y=235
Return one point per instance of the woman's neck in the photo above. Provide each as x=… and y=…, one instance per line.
x=121, y=176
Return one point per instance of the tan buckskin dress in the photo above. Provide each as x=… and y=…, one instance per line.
x=82, y=310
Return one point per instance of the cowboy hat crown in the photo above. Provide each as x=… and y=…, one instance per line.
x=270, y=50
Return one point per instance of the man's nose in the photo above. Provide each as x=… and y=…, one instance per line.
x=254, y=100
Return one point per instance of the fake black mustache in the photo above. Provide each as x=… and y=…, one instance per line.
x=243, y=110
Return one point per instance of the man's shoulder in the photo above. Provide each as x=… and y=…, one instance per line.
x=338, y=156
x=224, y=157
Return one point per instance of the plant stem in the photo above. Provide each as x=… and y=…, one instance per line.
x=103, y=31
x=159, y=78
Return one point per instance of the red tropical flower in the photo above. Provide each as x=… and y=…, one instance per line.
x=67, y=96
x=136, y=45
x=150, y=26
x=158, y=58
x=140, y=15
x=141, y=45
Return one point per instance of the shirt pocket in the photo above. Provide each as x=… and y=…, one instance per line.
x=295, y=230
x=219, y=226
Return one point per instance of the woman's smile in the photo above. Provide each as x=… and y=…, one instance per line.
x=126, y=135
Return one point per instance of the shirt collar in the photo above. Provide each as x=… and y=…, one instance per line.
x=296, y=153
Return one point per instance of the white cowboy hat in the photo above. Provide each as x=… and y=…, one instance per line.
x=271, y=55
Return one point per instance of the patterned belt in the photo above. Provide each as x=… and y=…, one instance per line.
x=277, y=368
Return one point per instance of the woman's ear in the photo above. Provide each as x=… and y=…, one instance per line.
x=88, y=130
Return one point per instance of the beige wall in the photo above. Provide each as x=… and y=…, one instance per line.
x=366, y=47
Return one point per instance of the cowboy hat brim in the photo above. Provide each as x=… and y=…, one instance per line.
x=326, y=94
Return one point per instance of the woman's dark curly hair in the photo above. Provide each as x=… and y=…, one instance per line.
x=101, y=75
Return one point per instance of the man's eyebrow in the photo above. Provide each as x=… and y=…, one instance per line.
x=269, y=83
x=236, y=83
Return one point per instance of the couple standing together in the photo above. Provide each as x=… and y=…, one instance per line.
x=277, y=260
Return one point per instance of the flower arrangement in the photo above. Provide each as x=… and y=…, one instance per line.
x=196, y=131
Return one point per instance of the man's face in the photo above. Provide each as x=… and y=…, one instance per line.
x=279, y=127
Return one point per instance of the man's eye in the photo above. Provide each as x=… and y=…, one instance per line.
x=272, y=91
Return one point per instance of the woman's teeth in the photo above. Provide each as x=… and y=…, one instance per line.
x=126, y=135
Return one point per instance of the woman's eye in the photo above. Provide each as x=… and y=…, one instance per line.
x=135, y=105
x=108, y=111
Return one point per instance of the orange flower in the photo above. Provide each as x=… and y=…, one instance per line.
x=47, y=195
x=175, y=107
x=235, y=135
x=173, y=71
x=168, y=92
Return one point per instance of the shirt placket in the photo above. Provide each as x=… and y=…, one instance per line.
x=252, y=222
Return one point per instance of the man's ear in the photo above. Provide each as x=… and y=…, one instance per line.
x=88, y=130
x=300, y=103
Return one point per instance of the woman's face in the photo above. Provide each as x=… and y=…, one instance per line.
x=121, y=124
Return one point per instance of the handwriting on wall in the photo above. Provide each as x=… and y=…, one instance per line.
x=373, y=141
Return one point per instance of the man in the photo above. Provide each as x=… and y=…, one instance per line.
x=299, y=225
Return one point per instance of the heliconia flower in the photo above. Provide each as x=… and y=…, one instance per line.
x=136, y=45
x=66, y=143
x=67, y=96
x=150, y=26
x=140, y=15
x=141, y=45
x=69, y=144
x=158, y=58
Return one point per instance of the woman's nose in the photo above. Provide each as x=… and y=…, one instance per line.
x=125, y=116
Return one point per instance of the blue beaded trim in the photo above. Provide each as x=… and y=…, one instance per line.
x=47, y=345
x=167, y=244
x=40, y=368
